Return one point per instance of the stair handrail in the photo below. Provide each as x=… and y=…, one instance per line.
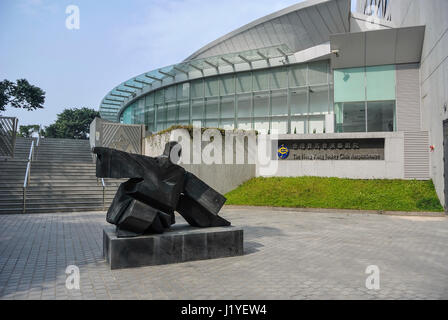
x=27, y=174
x=104, y=191
x=38, y=136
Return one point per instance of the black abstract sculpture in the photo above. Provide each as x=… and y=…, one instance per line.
x=156, y=188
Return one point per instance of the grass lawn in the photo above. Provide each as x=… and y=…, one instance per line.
x=316, y=192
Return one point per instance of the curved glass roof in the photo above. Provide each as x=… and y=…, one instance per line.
x=119, y=96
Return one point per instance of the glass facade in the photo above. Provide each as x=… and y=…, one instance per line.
x=365, y=99
x=290, y=99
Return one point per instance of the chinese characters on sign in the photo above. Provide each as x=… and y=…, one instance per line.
x=333, y=149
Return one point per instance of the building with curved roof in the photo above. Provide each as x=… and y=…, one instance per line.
x=316, y=70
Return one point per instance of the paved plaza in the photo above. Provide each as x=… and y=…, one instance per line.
x=288, y=255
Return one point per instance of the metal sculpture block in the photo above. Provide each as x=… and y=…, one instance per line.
x=157, y=187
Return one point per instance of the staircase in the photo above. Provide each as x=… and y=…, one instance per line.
x=62, y=180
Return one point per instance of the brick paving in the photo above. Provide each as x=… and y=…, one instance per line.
x=288, y=255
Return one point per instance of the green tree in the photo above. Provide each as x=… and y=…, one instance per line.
x=27, y=131
x=21, y=94
x=72, y=124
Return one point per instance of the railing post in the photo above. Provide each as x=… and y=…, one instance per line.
x=24, y=200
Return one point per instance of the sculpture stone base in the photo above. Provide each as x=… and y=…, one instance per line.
x=180, y=243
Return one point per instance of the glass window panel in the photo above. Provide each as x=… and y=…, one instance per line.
x=380, y=83
x=171, y=113
x=197, y=88
x=245, y=123
x=244, y=105
x=261, y=125
x=279, y=103
x=316, y=124
x=159, y=99
x=149, y=117
x=353, y=117
x=139, y=112
x=227, y=112
x=319, y=99
x=183, y=91
x=127, y=115
x=280, y=124
x=197, y=109
x=349, y=85
x=299, y=101
x=318, y=72
x=211, y=87
x=261, y=80
x=149, y=99
x=338, y=116
x=381, y=116
x=227, y=84
x=279, y=78
x=184, y=112
x=244, y=82
x=170, y=93
x=227, y=124
x=227, y=109
x=212, y=112
x=297, y=75
x=161, y=117
x=261, y=105
x=299, y=124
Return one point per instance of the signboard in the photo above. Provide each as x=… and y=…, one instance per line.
x=330, y=149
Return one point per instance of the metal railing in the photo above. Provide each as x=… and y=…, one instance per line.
x=104, y=193
x=8, y=131
x=27, y=174
x=31, y=156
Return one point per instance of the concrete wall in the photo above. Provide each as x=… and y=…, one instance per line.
x=390, y=168
x=222, y=177
x=433, y=72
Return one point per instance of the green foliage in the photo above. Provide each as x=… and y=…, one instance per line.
x=316, y=192
x=27, y=131
x=21, y=94
x=72, y=124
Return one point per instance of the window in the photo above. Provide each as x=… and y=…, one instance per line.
x=184, y=112
x=171, y=114
x=319, y=99
x=170, y=93
x=183, y=91
x=365, y=99
x=279, y=103
x=297, y=75
x=227, y=112
x=211, y=87
x=349, y=85
x=318, y=73
x=350, y=117
x=244, y=82
x=227, y=84
x=197, y=109
x=197, y=88
x=380, y=116
x=261, y=80
x=211, y=112
x=261, y=112
x=244, y=111
x=299, y=101
x=279, y=78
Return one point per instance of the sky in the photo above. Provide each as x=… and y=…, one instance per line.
x=117, y=40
